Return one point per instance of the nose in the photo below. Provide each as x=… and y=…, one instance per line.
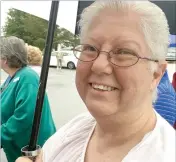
x=102, y=65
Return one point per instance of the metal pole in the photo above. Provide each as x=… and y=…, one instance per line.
x=44, y=75
x=43, y=79
x=77, y=18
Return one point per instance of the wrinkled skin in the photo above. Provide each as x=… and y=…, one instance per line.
x=134, y=84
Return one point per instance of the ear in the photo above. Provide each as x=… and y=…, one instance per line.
x=3, y=63
x=158, y=74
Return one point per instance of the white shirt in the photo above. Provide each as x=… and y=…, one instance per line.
x=70, y=142
x=37, y=69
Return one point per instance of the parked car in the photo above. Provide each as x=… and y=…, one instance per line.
x=171, y=55
x=69, y=61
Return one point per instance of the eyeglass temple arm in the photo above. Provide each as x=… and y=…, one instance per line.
x=149, y=59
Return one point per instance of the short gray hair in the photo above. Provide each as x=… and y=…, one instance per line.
x=153, y=24
x=14, y=51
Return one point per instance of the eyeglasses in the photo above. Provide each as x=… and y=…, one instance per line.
x=120, y=57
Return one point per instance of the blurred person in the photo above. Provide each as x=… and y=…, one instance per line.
x=174, y=81
x=59, y=57
x=18, y=100
x=174, y=86
x=35, y=58
x=121, y=60
x=165, y=104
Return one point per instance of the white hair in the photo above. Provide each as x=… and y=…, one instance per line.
x=153, y=24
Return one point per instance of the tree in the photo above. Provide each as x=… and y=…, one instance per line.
x=33, y=30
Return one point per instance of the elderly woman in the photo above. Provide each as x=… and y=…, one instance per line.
x=18, y=99
x=121, y=61
x=34, y=55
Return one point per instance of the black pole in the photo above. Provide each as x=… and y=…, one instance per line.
x=77, y=18
x=44, y=75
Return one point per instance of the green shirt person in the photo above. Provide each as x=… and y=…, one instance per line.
x=18, y=100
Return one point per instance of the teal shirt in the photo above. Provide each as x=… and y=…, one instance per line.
x=18, y=102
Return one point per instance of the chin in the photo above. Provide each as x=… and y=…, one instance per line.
x=100, y=109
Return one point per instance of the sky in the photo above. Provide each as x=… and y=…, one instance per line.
x=66, y=14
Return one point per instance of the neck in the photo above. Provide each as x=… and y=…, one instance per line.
x=12, y=71
x=117, y=129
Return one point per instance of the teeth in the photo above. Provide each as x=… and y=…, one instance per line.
x=109, y=88
x=102, y=87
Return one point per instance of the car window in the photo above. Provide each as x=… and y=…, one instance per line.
x=67, y=53
x=171, y=53
x=64, y=52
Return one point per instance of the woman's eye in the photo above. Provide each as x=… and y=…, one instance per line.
x=88, y=48
x=122, y=51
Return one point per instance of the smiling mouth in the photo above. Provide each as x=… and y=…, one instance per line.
x=100, y=87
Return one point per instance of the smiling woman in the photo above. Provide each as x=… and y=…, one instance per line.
x=117, y=81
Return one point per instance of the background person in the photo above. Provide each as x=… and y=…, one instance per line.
x=165, y=104
x=59, y=57
x=174, y=81
x=18, y=100
x=35, y=58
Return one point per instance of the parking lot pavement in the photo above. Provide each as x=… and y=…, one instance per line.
x=63, y=96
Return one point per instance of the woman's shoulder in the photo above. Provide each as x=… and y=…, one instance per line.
x=28, y=71
x=68, y=138
x=164, y=126
x=37, y=69
x=27, y=75
x=79, y=124
x=165, y=139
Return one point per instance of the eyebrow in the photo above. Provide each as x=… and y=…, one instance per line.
x=118, y=40
x=130, y=41
x=93, y=39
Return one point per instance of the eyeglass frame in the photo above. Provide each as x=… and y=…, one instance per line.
x=98, y=53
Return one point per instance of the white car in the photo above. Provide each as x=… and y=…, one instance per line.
x=69, y=60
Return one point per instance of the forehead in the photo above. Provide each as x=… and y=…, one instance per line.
x=110, y=25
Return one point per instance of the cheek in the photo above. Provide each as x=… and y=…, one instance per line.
x=126, y=79
x=83, y=71
x=133, y=88
x=133, y=80
x=2, y=63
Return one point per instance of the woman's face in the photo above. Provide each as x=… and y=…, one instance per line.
x=125, y=89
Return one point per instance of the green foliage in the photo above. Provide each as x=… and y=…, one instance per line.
x=33, y=30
